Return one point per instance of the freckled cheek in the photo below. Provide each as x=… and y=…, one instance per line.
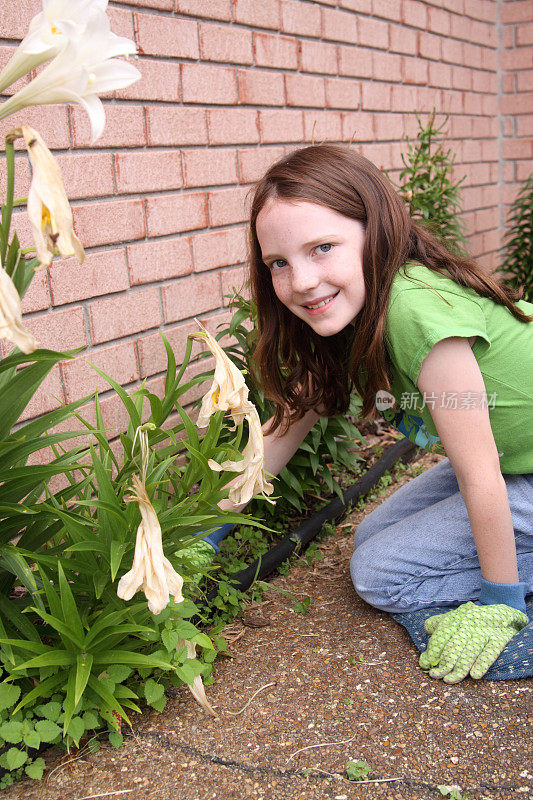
x=282, y=288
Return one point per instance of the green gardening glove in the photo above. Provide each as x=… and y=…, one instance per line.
x=469, y=639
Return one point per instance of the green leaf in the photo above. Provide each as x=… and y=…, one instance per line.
x=170, y=640
x=118, y=673
x=116, y=738
x=68, y=604
x=153, y=691
x=117, y=551
x=84, y=662
x=47, y=730
x=90, y=720
x=50, y=711
x=11, y=731
x=35, y=769
x=32, y=739
x=76, y=729
x=9, y=694
x=13, y=758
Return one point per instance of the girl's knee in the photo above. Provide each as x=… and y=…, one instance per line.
x=367, y=578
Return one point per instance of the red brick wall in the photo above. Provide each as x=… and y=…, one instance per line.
x=228, y=86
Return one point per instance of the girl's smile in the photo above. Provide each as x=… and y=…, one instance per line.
x=315, y=259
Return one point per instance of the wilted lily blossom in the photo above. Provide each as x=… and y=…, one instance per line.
x=84, y=68
x=48, y=207
x=11, y=326
x=229, y=393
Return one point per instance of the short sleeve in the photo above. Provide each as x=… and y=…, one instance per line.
x=419, y=317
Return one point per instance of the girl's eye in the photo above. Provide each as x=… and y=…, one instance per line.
x=328, y=246
x=277, y=264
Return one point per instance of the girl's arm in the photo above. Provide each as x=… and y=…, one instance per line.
x=279, y=449
x=467, y=437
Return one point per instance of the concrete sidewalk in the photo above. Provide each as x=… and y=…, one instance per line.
x=383, y=709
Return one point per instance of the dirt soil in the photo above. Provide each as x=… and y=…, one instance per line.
x=291, y=699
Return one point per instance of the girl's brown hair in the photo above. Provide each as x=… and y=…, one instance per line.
x=301, y=370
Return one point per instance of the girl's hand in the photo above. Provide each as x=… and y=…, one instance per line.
x=469, y=639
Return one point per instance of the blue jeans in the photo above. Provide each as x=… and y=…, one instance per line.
x=417, y=549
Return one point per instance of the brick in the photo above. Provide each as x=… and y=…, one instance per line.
x=471, y=151
x=439, y=21
x=159, y=81
x=461, y=78
x=275, y=51
x=228, y=206
x=166, y=36
x=50, y=121
x=223, y=43
x=209, y=167
x=175, y=213
x=524, y=125
x=318, y=57
x=356, y=62
x=376, y=97
x=109, y=221
x=322, y=126
x=152, y=353
x=516, y=11
x=524, y=80
x=147, y=171
x=339, y=25
x=361, y=6
x=16, y=18
x=357, y=127
x=48, y=396
x=524, y=34
x=404, y=98
x=124, y=127
x=260, y=87
x=235, y=278
x=518, y=148
x=59, y=330
x=484, y=81
x=202, y=83
x=191, y=296
x=293, y=21
x=124, y=314
x=403, y=40
x=285, y=125
x=305, y=90
x=414, y=13
x=509, y=83
x=257, y=13
x=212, y=9
x=121, y=20
x=37, y=295
x=388, y=127
x=118, y=361
x=164, y=5
x=342, y=93
x=101, y=273
x=452, y=51
x=485, y=127
x=415, y=71
x=485, y=104
x=232, y=126
x=374, y=33
x=219, y=249
x=159, y=260
x=517, y=104
x=87, y=174
x=176, y=126
x=22, y=176
x=523, y=170
x=387, y=66
x=520, y=58
x=253, y=163
x=427, y=98
x=388, y=9
x=509, y=36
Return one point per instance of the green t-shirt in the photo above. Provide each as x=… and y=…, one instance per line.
x=426, y=307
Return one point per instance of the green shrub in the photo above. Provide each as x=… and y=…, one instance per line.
x=518, y=250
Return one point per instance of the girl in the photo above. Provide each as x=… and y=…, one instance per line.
x=354, y=295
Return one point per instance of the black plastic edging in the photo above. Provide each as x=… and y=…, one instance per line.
x=403, y=450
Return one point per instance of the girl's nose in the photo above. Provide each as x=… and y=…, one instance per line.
x=304, y=276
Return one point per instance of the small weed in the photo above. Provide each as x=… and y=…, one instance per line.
x=357, y=770
x=453, y=792
x=348, y=702
x=302, y=607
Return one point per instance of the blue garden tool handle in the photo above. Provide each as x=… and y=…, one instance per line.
x=216, y=536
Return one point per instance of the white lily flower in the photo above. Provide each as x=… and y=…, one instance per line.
x=83, y=69
x=11, y=326
x=197, y=688
x=48, y=206
x=48, y=33
x=229, y=392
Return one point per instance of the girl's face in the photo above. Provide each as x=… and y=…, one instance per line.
x=315, y=258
